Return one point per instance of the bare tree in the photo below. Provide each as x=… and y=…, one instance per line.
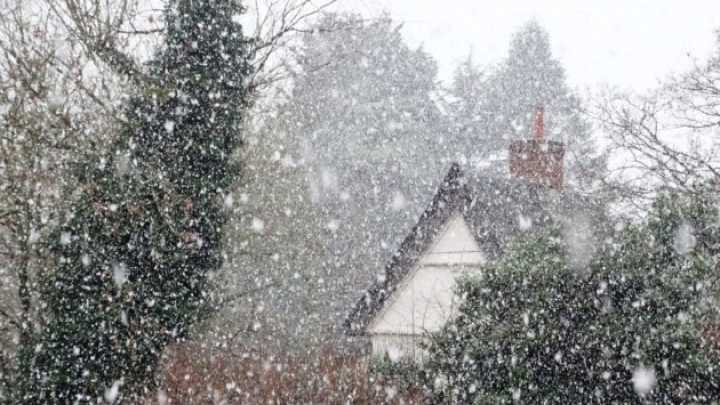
x=668, y=137
x=120, y=34
x=276, y=25
x=54, y=103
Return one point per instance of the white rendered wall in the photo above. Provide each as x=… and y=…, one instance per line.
x=396, y=346
x=426, y=300
x=455, y=245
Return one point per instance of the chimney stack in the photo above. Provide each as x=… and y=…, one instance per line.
x=538, y=159
x=539, y=123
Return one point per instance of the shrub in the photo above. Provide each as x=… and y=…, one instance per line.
x=633, y=326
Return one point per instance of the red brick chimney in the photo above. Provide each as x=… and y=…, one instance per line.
x=538, y=160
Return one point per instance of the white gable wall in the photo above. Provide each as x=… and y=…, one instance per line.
x=426, y=299
x=455, y=245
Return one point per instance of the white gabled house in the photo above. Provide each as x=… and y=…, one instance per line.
x=470, y=221
x=425, y=298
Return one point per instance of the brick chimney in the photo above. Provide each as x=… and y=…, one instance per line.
x=538, y=159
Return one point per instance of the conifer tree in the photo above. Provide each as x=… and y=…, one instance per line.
x=494, y=109
x=349, y=163
x=467, y=112
x=634, y=326
x=148, y=225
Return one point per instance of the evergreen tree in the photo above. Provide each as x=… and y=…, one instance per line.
x=633, y=327
x=467, y=112
x=148, y=227
x=499, y=109
x=372, y=137
x=356, y=154
x=365, y=97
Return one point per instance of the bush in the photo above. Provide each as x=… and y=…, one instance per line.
x=633, y=326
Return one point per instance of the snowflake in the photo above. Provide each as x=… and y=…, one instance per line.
x=643, y=380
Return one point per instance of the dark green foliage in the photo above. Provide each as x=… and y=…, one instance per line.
x=538, y=330
x=147, y=229
x=400, y=374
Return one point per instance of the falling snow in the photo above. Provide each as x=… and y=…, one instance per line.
x=310, y=210
x=111, y=393
x=258, y=224
x=119, y=274
x=684, y=239
x=643, y=380
x=398, y=202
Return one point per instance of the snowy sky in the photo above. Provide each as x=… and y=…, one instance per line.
x=628, y=43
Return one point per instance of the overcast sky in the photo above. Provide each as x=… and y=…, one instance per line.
x=629, y=43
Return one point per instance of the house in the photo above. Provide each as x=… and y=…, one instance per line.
x=471, y=220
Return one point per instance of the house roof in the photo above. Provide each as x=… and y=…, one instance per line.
x=496, y=209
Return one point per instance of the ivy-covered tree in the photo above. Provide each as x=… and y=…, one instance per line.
x=148, y=225
x=632, y=327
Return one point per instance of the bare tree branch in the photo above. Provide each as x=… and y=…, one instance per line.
x=669, y=137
